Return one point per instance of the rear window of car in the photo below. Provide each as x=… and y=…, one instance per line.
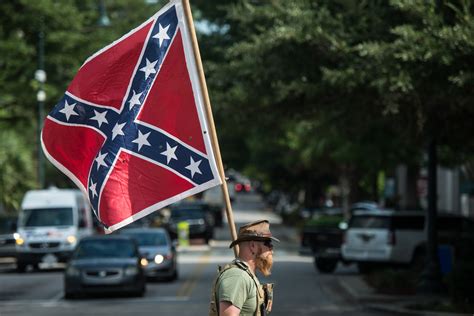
x=148, y=239
x=369, y=221
x=408, y=222
x=187, y=213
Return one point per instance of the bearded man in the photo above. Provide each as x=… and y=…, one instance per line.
x=237, y=290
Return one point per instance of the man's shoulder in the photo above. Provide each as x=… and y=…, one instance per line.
x=234, y=271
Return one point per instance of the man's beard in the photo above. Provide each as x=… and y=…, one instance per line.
x=264, y=263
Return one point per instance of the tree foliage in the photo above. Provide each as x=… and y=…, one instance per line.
x=71, y=34
x=343, y=86
x=302, y=91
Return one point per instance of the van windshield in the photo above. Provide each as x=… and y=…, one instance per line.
x=47, y=217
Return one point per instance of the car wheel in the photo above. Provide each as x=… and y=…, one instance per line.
x=21, y=267
x=141, y=292
x=175, y=275
x=364, y=267
x=418, y=261
x=325, y=265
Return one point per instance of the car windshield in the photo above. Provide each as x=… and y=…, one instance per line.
x=47, y=217
x=7, y=225
x=187, y=213
x=370, y=222
x=148, y=238
x=106, y=248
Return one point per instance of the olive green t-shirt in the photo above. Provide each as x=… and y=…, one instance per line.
x=237, y=287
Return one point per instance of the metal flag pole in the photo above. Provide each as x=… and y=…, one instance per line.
x=210, y=119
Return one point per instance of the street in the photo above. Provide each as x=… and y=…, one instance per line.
x=299, y=289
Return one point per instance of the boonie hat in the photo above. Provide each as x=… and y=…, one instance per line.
x=258, y=231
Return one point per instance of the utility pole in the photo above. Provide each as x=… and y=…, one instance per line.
x=40, y=76
x=430, y=281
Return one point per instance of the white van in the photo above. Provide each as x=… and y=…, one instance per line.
x=50, y=224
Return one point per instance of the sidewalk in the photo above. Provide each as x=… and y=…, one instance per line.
x=358, y=290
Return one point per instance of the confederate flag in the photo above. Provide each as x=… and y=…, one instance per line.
x=131, y=129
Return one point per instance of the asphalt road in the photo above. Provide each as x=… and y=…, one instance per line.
x=299, y=289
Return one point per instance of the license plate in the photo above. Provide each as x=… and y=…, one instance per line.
x=50, y=258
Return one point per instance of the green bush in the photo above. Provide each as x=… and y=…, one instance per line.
x=461, y=284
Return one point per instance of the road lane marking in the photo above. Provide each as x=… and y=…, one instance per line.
x=188, y=286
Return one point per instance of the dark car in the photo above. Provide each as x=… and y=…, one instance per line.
x=322, y=237
x=105, y=263
x=200, y=221
x=156, y=246
x=7, y=240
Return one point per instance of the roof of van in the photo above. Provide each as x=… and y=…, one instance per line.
x=53, y=197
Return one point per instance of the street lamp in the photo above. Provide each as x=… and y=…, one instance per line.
x=40, y=76
x=104, y=20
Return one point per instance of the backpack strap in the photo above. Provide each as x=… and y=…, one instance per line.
x=237, y=263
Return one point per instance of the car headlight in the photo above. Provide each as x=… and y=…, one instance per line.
x=159, y=259
x=18, y=239
x=143, y=262
x=73, y=272
x=131, y=271
x=71, y=239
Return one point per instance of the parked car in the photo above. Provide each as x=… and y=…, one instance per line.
x=105, y=263
x=399, y=237
x=214, y=195
x=200, y=220
x=7, y=239
x=215, y=199
x=322, y=237
x=156, y=246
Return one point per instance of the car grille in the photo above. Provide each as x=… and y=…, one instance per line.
x=7, y=242
x=102, y=273
x=44, y=245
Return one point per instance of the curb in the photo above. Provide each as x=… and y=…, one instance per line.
x=405, y=311
x=387, y=303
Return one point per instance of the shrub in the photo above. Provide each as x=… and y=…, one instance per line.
x=461, y=284
x=392, y=281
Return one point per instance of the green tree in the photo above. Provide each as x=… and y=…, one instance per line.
x=72, y=34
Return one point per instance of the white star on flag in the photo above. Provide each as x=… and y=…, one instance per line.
x=170, y=153
x=162, y=34
x=149, y=68
x=141, y=140
x=194, y=167
x=100, y=160
x=68, y=110
x=117, y=130
x=135, y=99
x=93, y=189
x=100, y=117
